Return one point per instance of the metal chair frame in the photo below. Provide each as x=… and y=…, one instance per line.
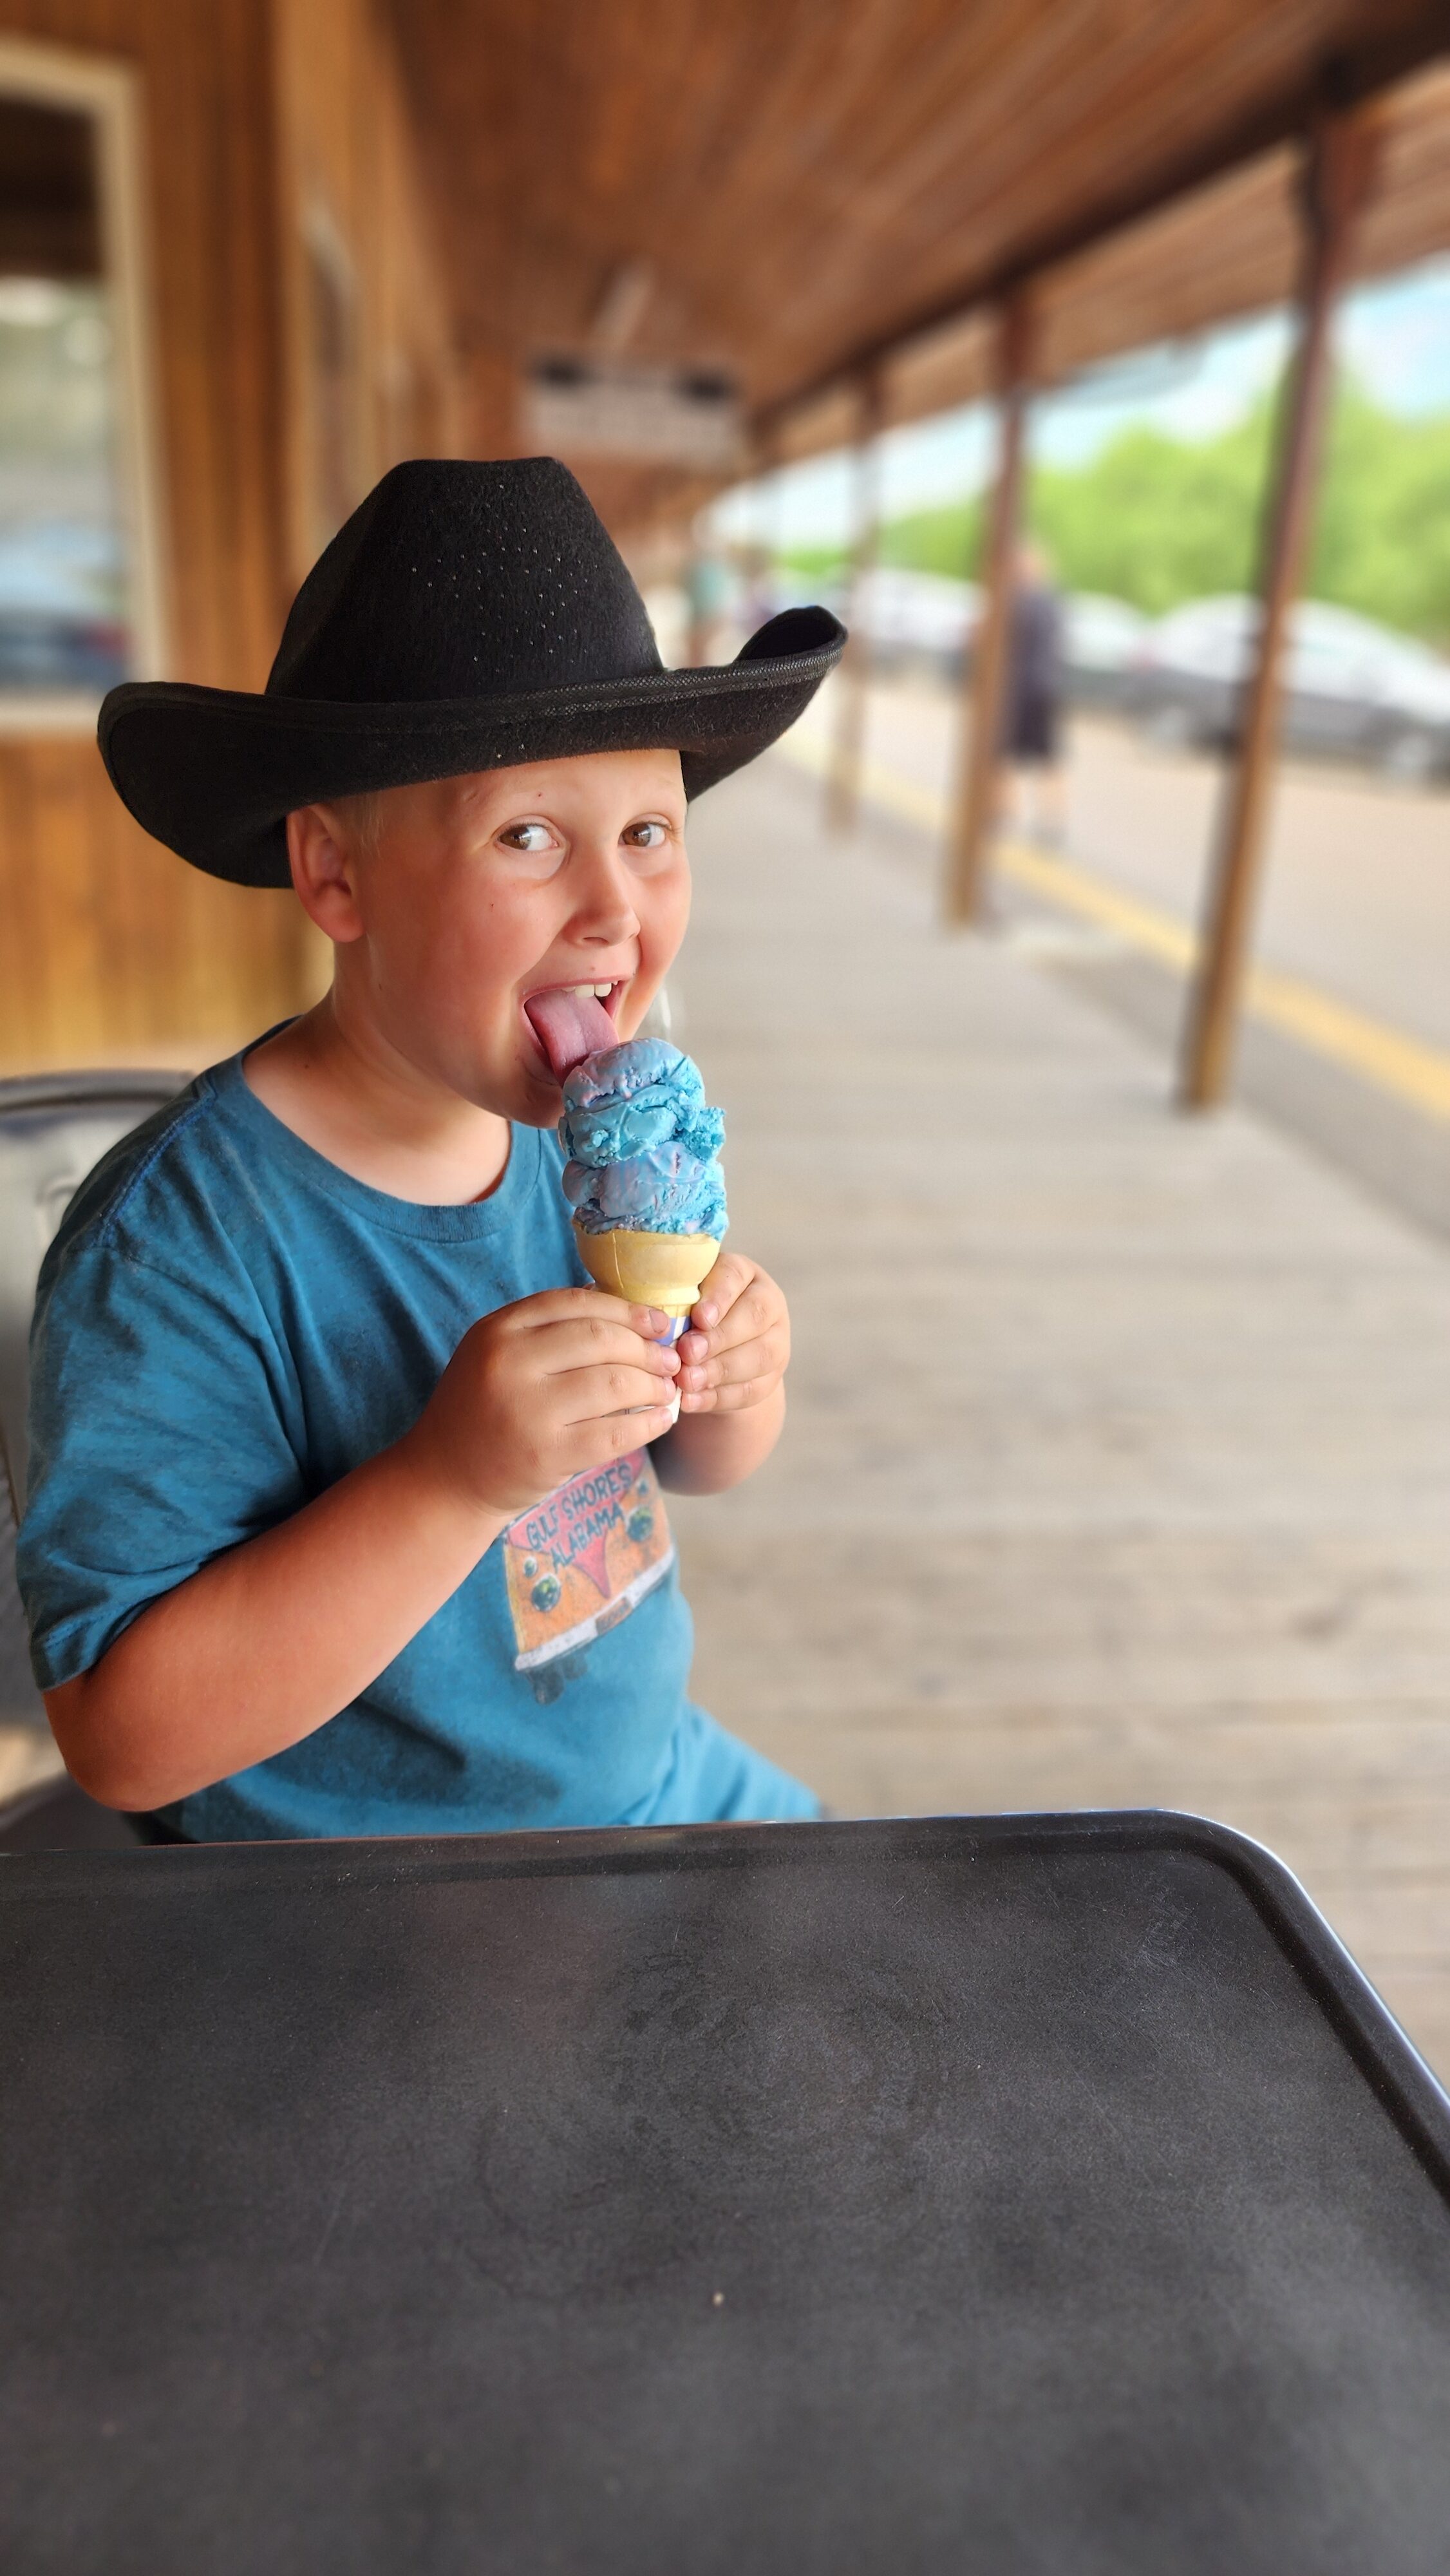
x=54, y=1128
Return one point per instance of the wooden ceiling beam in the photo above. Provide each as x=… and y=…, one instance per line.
x=822, y=188
x=1343, y=80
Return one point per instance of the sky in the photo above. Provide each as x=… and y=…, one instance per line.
x=1394, y=335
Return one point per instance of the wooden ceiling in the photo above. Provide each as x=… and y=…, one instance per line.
x=805, y=183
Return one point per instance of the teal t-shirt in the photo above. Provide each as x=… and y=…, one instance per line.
x=226, y=1324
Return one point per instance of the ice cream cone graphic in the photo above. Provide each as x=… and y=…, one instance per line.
x=663, y=1270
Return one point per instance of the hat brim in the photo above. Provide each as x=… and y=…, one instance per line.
x=215, y=772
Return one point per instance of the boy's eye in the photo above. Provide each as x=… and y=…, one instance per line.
x=649, y=841
x=534, y=848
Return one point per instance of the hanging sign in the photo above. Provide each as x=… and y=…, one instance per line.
x=647, y=415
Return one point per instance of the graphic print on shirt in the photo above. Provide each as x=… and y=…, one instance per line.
x=579, y=1561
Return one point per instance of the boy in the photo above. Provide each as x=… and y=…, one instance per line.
x=346, y=1512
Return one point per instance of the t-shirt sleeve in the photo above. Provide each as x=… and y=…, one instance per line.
x=159, y=1437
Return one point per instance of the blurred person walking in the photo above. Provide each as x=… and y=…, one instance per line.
x=1031, y=724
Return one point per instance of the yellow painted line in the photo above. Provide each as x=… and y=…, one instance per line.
x=1413, y=1072
x=1405, y=1067
x=1063, y=882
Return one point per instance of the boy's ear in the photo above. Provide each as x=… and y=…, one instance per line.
x=321, y=857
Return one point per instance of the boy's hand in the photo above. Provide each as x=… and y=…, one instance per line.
x=736, y=1351
x=543, y=1389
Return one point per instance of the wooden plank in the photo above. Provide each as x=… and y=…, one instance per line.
x=1115, y=1470
x=115, y=952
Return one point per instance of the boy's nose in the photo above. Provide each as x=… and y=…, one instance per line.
x=606, y=912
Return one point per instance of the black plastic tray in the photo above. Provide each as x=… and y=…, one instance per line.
x=1033, y=2193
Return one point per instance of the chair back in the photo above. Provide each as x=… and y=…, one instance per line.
x=54, y=1128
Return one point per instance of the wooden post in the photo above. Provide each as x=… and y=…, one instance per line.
x=987, y=671
x=1337, y=177
x=843, y=778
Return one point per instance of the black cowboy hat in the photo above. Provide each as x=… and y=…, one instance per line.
x=467, y=616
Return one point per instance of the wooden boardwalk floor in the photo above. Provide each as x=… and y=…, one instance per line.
x=1118, y=1466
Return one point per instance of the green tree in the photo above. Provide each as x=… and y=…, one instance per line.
x=1382, y=539
x=947, y=540
x=814, y=563
x=1158, y=520
x=1155, y=520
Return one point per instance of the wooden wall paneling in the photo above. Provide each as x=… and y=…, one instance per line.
x=114, y=950
x=349, y=162
x=416, y=365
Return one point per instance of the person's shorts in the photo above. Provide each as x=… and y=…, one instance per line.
x=1032, y=734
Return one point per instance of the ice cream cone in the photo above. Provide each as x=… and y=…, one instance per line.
x=663, y=1270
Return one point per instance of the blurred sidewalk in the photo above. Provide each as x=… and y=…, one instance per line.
x=1117, y=1470
x=1346, y=1037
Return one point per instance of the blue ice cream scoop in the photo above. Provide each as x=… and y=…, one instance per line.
x=643, y=1143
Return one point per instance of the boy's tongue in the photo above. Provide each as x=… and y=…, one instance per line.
x=569, y=1026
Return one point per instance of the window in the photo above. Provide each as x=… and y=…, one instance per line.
x=79, y=605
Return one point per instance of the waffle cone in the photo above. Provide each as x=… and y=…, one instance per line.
x=663, y=1270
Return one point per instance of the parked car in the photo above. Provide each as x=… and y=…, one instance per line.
x=59, y=630
x=1102, y=641
x=1353, y=689
x=915, y=620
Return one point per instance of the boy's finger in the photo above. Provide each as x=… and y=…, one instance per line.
x=759, y=1308
x=589, y=1444
x=581, y=1341
x=720, y=1288
x=732, y=1399
x=748, y=1324
x=766, y=1356
x=569, y=1305
x=740, y=1326
x=593, y=1394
